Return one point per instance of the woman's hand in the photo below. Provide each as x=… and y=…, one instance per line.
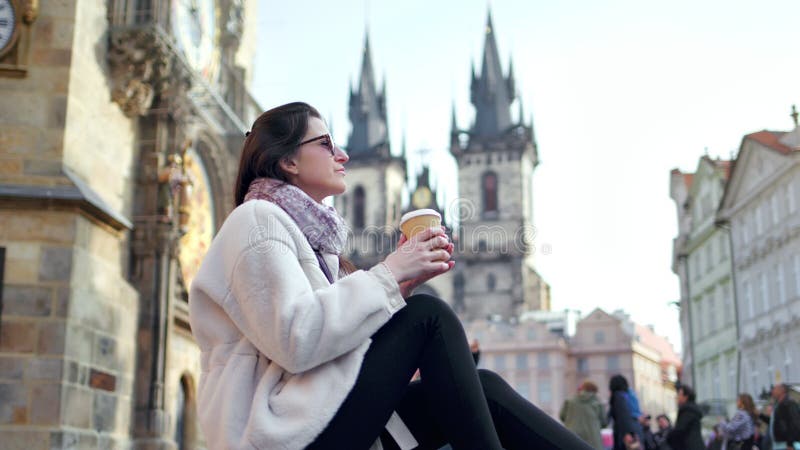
x=418, y=260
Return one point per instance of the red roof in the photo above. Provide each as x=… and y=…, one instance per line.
x=687, y=179
x=725, y=166
x=770, y=139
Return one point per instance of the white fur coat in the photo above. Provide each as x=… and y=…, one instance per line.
x=281, y=347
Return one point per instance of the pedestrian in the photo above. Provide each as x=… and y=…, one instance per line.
x=624, y=425
x=784, y=421
x=740, y=431
x=648, y=437
x=660, y=436
x=301, y=350
x=584, y=416
x=685, y=435
x=716, y=440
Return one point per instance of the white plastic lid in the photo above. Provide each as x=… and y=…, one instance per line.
x=420, y=212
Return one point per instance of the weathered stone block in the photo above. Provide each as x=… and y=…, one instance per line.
x=102, y=380
x=18, y=337
x=13, y=403
x=10, y=166
x=25, y=439
x=73, y=440
x=104, y=414
x=42, y=167
x=17, y=140
x=21, y=272
x=77, y=407
x=21, y=300
x=12, y=368
x=61, y=307
x=45, y=404
x=56, y=264
x=51, y=57
x=79, y=343
x=50, y=369
x=52, y=338
x=58, y=112
x=105, y=352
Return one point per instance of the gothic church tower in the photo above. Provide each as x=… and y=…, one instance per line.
x=375, y=178
x=496, y=158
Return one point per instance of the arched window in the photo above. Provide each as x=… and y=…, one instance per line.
x=489, y=193
x=185, y=415
x=491, y=282
x=359, y=206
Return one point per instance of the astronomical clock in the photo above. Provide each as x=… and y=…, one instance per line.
x=194, y=25
x=198, y=206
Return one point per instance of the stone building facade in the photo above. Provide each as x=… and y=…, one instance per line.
x=760, y=207
x=119, y=129
x=547, y=367
x=702, y=252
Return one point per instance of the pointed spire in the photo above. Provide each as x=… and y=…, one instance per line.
x=492, y=93
x=794, y=115
x=368, y=111
x=453, y=121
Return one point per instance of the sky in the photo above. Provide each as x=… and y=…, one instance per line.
x=620, y=91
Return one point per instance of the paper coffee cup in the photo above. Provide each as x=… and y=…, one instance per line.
x=419, y=220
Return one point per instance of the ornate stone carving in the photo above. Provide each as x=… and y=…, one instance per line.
x=143, y=67
x=30, y=11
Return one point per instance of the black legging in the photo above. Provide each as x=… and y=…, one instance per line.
x=453, y=403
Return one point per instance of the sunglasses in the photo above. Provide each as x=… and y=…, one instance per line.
x=327, y=142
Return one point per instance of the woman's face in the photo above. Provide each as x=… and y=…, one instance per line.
x=318, y=166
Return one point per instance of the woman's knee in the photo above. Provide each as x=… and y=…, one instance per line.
x=430, y=305
x=492, y=383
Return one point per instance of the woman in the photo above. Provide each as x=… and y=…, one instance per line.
x=300, y=350
x=740, y=431
x=624, y=426
x=584, y=416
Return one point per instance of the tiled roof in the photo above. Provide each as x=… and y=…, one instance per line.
x=771, y=139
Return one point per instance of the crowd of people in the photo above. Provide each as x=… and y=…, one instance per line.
x=775, y=427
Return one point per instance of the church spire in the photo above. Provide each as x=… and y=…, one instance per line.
x=492, y=93
x=368, y=112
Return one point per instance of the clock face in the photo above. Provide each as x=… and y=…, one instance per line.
x=8, y=25
x=422, y=197
x=200, y=229
x=194, y=27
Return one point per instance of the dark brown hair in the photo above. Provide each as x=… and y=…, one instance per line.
x=749, y=406
x=275, y=135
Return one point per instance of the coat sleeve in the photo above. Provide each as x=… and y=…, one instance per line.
x=677, y=436
x=622, y=414
x=273, y=304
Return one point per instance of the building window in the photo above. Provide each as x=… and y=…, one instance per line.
x=599, y=337
x=727, y=304
x=185, y=418
x=790, y=198
x=759, y=220
x=763, y=291
x=543, y=361
x=500, y=362
x=522, y=361
x=531, y=334
x=709, y=256
x=545, y=391
x=490, y=192
x=775, y=209
x=715, y=380
x=748, y=299
x=491, y=282
x=612, y=362
x=583, y=365
x=787, y=364
x=796, y=270
x=359, y=207
x=712, y=311
x=780, y=289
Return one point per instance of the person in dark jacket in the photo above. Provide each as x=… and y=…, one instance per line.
x=624, y=425
x=784, y=425
x=660, y=436
x=685, y=435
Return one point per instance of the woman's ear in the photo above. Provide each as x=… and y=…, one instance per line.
x=289, y=165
